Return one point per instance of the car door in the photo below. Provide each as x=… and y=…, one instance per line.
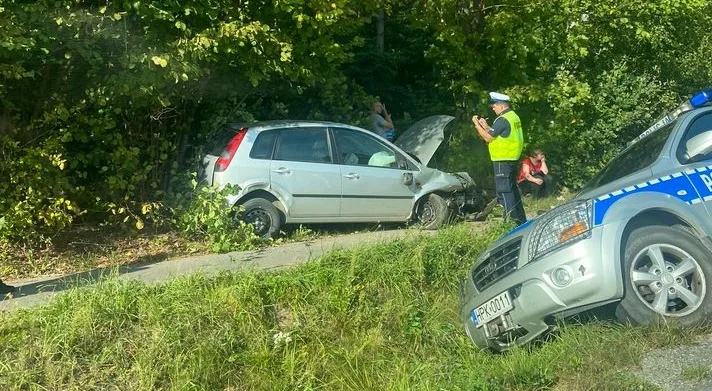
x=303, y=171
x=374, y=177
x=694, y=152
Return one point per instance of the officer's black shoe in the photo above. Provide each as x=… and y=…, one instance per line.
x=5, y=289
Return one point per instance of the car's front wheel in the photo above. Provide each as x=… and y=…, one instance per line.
x=265, y=218
x=667, y=273
x=433, y=212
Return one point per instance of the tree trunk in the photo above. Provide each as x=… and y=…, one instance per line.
x=379, y=30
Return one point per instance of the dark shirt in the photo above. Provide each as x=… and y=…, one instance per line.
x=500, y=126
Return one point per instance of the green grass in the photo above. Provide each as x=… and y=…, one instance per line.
x=697, y=373
x=377, y=318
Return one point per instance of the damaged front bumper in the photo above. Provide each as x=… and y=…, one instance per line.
x=470, y=202
x=465, y=199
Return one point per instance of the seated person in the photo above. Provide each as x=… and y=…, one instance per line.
x=534, y=175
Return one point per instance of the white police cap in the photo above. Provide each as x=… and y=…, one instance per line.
x=497, y=97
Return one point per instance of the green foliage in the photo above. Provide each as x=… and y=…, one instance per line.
x=208, y=216
x=596, y=122
x=34, y=190
x=122, y=94
x=122, y=91
x=585, y=76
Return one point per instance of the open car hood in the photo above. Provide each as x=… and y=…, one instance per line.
x=424, y=137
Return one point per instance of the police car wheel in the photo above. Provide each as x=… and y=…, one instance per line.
x=265, y=218
x=667, y=273
x=433, y=212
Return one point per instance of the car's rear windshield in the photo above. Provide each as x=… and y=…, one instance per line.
x=218, y=141
x=634, y=158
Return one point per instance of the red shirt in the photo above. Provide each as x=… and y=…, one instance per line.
x=533, y=168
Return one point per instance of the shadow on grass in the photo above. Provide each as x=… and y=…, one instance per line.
x=79, y=279
x=603, y=314
x=295, y=231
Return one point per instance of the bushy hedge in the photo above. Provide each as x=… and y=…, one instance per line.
x=103, y=105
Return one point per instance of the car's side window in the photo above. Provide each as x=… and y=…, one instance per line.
x=303, y=145
x=264, y=145
x=696, y=144
x=358, y=149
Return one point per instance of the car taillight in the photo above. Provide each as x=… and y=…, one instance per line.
x=229, y=152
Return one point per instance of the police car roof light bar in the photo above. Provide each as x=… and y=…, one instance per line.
x=701, y=98
x=698, y=100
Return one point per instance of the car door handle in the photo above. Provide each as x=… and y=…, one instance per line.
x=281, y=170
x=352, y=176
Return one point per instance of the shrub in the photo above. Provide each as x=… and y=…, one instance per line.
x=207, y=214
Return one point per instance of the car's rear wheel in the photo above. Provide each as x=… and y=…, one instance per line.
x=265, y=218
x=667, y=273
x=433, y=212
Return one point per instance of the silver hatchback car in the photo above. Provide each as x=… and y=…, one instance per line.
x=638, y=234
x=325, y=172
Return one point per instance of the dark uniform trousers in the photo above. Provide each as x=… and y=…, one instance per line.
x=505, y=184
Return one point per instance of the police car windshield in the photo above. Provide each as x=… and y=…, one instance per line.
x=634, y=158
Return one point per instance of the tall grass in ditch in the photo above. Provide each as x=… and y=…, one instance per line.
x=377, y=318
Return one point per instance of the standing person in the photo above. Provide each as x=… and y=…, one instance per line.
x=5, y=289
x=534, y=175
x=505, y=141
x=382, y=122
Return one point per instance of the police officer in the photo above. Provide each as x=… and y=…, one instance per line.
x=505, y=141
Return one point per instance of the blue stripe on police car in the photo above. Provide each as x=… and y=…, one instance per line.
x=692, y=187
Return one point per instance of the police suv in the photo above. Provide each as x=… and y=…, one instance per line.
x=638, y=234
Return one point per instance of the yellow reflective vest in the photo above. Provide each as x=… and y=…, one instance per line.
x=510, y=147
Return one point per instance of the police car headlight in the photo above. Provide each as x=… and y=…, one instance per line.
x=560, y=227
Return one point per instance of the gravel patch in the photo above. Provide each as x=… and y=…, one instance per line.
x=674, y=368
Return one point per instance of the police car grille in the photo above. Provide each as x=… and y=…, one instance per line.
x=501, y=262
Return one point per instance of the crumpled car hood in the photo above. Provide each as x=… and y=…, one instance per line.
x=424, y=137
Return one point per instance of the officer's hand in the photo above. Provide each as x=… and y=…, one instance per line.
x=475, y=119
x=483, y=123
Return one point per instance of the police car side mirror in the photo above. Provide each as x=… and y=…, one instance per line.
x=698, y=147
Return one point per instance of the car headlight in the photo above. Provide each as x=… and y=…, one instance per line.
x=560, y=227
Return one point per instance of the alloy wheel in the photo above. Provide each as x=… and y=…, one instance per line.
x=668, y=280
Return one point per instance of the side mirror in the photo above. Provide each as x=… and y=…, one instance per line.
x=407, y=178
x=698, y=146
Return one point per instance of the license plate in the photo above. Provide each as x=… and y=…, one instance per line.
x=492, y=309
